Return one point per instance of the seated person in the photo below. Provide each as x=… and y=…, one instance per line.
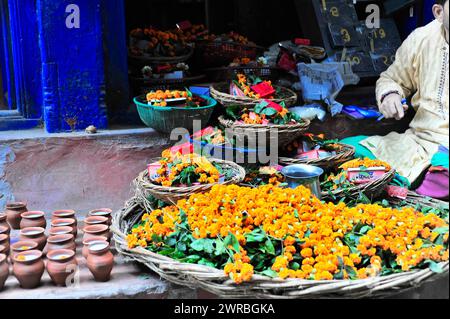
x=420, y=72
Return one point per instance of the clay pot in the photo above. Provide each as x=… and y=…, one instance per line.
x=87, y=242
x=63, y=213
x=96, y=230
x=61, y=264
x=59, y=222
x=36, y=234
x=4, y=241
x=96, y=220
x=33, y=219
x=29, y=268
x=4, y=270
x=61, y=242
x=3, y=250
x=105, y=212
x=62, y=230
x=100, y=261
x=3, y=222
x=5, y=230
x=13, y=211
x=22, y=246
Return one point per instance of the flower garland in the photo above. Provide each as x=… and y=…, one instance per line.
x=288, y=233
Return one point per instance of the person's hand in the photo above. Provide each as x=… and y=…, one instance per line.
x=392, y=107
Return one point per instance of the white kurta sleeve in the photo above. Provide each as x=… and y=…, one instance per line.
x=401, y=76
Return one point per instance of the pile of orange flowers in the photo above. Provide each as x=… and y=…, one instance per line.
x=314, y=238
x=366, y=162
x=158, y=98
x=185, y=167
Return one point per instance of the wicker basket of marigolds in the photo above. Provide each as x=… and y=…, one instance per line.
x=176, y=176
x=316, y=150
x=273, y=242
x=267, y=123
x=361, y=176
x=248, y=90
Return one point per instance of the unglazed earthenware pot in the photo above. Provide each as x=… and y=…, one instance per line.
x=61, y=264
x=33, y=219
x=4, y=270
x=29, y=268
x=100, y=261
x=22, y=246
x=96, y=230
x=3, y=221
x=90, y=240
x=62, y=230
x=4, y=241
x=36, y=234
x=58, y=222
x=3, y=250
x=63, y=213
x=96, y=220
x=105, y=212
x=58, y=242
x=13, y=211
x=5, y=230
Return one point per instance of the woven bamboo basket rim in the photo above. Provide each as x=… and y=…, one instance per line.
x=144, y=185
x=214, y=43
x=215, y=281
x=375, y=187
x=218, y=90
x=264, y=127
x=344, y=154
x=155, y=59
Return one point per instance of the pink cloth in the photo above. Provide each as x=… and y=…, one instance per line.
x=435, y=184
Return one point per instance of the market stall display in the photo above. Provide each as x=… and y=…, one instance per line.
x=344, y=251
x=177, y=176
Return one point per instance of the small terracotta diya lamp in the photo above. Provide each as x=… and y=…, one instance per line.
x=33, y=219
x=61, y=264
x=96, y=220
x=105, y=212
x=58, y=242
x=13, y=212
x=29, y=268
x=4, y=270
x=36, y=234
x=63, y=213
x=3, y=221
x=62, y=230
x=91, y=240
x=22, y=246
x=59, y=222
x=100, y=261
x=5, y=230
x=4, y=241
x=96, y=230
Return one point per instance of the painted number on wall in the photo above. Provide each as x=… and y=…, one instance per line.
x=73, y=19
x=345, y=35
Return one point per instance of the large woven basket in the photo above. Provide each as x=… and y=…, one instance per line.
x=222, y=74
x=216, y=282
x=145, y=187
x=344, y=154
x=220, y=92
x=372, y=189
x=146, y=59
x=273, y=133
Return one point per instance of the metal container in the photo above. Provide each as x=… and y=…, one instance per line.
x=305, y=175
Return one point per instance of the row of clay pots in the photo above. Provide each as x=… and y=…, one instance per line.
x=29, y=266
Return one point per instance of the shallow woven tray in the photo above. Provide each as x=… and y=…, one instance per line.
x=345, y=154
x=144, y=186
x=145, y=58
x=216, y=282
x=285, y=133
x=372, y=190
x=220, y=93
